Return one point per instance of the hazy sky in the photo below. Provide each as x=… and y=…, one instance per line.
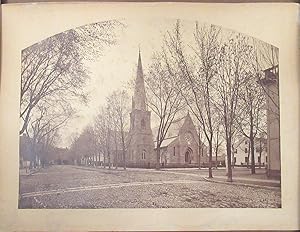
x=118, y=65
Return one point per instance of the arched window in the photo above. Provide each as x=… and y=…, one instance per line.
x=143, y=125
x=143, y=154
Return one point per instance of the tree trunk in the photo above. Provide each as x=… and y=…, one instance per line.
x=104, y=160
x=108, y=157
x=124, y=160
x=252, y=153
x=123, y=150
x=228, y=151
x=217, y=148
x=199, y=159
x=158, y=157
x=210, y=160
x=260, y=151
x=248, y=161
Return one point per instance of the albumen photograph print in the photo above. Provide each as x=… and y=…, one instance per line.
x=149, y=113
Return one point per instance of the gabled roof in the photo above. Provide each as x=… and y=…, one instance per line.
x=173, y=131
x=257, y=140
x=175, y=127
x=166, y=142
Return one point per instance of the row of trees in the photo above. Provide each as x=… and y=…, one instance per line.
x=217, y=78
x=106, y=136
x=53, y=77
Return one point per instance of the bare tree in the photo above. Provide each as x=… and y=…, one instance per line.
x=252, y=117
x=120, y=108
x=197, y=73
x=162, y=98
x=233, y=64
x=104, y=127
x=47, y=121
x=83, y=147
x=54, y=67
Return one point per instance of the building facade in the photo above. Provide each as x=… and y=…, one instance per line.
x=242, y=152
x=140, y=152
x=270, y=83
x=180, y=147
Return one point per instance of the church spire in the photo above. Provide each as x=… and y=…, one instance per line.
x=139, y=97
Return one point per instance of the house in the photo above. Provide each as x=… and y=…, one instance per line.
x=242, y=152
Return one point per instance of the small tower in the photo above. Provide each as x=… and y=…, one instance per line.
x=140, y=141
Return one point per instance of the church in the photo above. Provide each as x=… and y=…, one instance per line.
x=180, y=148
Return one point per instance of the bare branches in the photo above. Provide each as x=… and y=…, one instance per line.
x=119, y=112
x=162, y=97
x=195, y=74
x=54, y=67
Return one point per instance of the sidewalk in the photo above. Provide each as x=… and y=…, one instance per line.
x=23, y=172
x=240, y=176
x=246, y=181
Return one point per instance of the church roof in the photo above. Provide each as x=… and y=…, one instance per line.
x=167, y=141
x=139, y=96
x=175, y=127
x=172, y=133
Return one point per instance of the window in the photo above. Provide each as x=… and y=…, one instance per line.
x=144, y=154
x=174, y=151
x=246, y=141
x=143, y=124
x=246, y=160
x=235, y=151
x=258, y=159
x=246, y=150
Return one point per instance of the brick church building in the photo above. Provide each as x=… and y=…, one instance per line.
x=180, y=147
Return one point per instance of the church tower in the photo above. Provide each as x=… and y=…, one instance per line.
x=140, y=144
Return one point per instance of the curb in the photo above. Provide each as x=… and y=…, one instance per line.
x=242, y=184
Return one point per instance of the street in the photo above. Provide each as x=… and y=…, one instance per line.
x=64, y=186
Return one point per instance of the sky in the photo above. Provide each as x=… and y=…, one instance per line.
x=118, y=65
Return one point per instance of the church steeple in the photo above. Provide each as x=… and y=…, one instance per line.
x=139, y=97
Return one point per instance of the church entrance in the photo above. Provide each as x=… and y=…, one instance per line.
x=188, y=156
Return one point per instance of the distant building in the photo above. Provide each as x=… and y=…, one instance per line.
x=242, y=152
x=270, y=83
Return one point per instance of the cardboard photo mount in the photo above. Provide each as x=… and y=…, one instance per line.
x=25, y=24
